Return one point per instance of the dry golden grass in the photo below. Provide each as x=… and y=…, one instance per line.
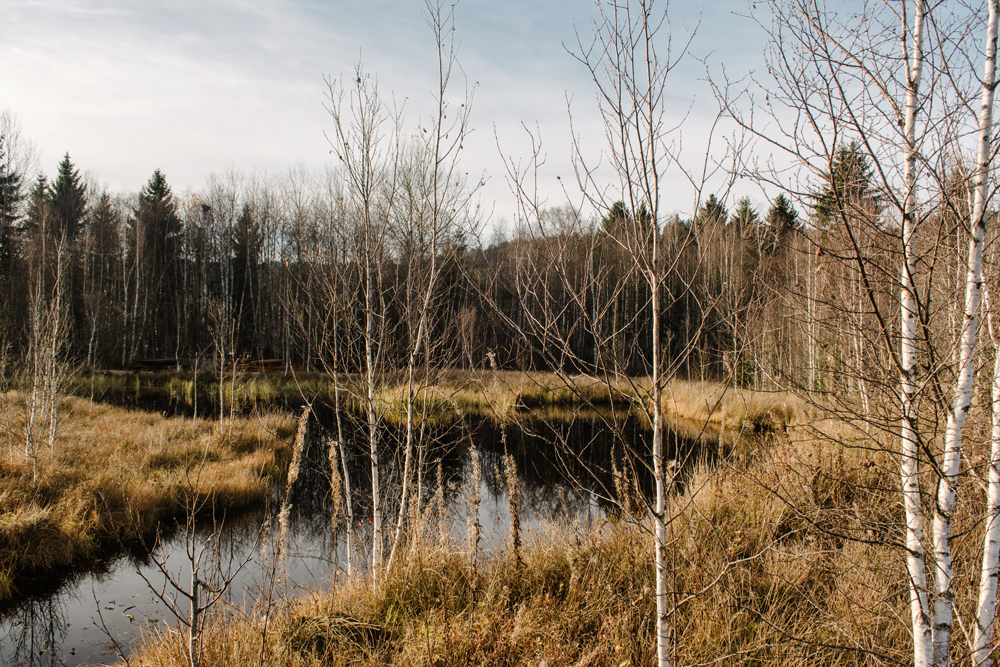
x=449, y=393
x=495, y=393
x=782, y=557
x=114, y=474
x=502, y=393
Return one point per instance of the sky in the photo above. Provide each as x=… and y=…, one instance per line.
x=195, y=87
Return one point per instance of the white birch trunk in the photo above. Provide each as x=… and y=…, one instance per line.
x=943, y=612
x=909, y=469
x=986, y=610
x=659, y=464
x=348, y=498
x=373, y=429
x=660, y=474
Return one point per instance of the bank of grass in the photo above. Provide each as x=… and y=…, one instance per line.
x=782, y=556
x=115, y=474
x=241, y=392
x=448, y=393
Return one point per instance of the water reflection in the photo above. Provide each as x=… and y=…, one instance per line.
x=566, y=470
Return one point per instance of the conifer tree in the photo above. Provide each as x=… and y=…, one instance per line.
x=848, y=187
x=247, y=242
x=11, y=196
x=782, y=219
x=69, y=199
x=711, y=214
x=744, y=218
x=156, y=263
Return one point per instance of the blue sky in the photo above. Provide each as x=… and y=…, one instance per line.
x=200, y=86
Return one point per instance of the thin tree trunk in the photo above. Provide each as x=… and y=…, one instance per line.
x=348, y=502
x=411, y=396
x=909, y=469
x=660, y=477
x=372, y=420
x=963, y=389
x=193, y=650
x=986, y=610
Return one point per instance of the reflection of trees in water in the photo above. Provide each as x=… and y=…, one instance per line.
x=34, y=633
x=563, y=465
x=446, y=444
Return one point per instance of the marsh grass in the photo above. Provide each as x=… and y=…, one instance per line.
x=450, y=393
x=115, y=474
x=783, y=556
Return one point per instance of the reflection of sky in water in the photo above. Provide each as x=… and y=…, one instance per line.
x=90, y=612
x=82, y=621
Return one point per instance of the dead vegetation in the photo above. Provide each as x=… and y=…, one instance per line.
x=787, y=555
x=115, y=474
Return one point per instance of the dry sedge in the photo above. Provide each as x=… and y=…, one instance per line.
x=115, y=474
x=782, y=556
x=294, y=467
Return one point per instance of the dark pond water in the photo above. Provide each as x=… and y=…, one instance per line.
x=566, y=471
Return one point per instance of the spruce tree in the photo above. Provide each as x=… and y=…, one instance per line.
x=157, y=259
x=782, y=220
x=744, y=218
x=247, y=246
x=782, y=217
x=69, y=199
x=711, y=215
x=11, y=196
x=847, y=188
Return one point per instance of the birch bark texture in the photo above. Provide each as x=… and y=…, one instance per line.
x=913, y=47
x=944, y=594
x=987, y=603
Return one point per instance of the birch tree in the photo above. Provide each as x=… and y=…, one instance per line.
x=433, y=213
x=48, y=327
x=989, y=570
x=365, y=139
x=566, y=297
x=944, y=509
x=913, y=47
x=896, y=82
x=631, y=79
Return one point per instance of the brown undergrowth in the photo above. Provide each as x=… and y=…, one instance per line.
x=114, y=474
x=785, y=555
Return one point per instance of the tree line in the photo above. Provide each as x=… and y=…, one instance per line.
x=250, y=269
